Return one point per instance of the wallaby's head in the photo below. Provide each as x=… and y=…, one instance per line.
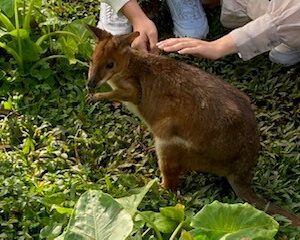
x=110, y=56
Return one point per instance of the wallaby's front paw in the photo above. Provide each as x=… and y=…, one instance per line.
x=91, y=98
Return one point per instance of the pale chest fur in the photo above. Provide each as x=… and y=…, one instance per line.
x=129, y=105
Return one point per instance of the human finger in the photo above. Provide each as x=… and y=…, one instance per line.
x=173, y=41
x=152, y=40
x=179, y=45
x=140, y=44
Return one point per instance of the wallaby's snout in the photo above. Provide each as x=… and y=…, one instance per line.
x=92, y=83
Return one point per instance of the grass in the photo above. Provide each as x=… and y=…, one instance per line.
x=58, y=146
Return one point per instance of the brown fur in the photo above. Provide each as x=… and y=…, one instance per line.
x=198, y=121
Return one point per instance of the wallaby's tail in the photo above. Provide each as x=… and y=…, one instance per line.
x=245, y=192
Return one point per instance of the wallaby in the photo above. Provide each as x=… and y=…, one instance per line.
x=198, y=121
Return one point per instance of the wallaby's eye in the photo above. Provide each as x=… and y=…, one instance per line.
x=110, y=65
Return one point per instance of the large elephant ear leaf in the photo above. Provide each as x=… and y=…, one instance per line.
x=7, y=6
x=221, y=221
x=97, y=216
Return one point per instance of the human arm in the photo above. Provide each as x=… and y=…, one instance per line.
x=280, y=24
x=141, y=23
x=199, y=48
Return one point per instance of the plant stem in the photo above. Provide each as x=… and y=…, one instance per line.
x=45, y=36
x=55, y=56
x=20, y=53
x=176, y=231
x=148, y=229
x=28, y=16
x=157, y=232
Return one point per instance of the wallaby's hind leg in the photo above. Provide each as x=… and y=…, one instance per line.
x=243, y=190
x=170, y=174
x=169, y=162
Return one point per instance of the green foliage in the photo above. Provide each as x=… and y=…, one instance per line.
x=54, y=146
x=27, y=46
x=98, y=216
x=101, y=217
x=233, y=221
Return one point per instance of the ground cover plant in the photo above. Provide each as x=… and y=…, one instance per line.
x=55, y=146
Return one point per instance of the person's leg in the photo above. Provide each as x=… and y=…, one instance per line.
x=282, y=54
x=189, y=18
x=210, y=3
x=256, y=8
x=234, y=13
x=285, y=55
x=115, y=23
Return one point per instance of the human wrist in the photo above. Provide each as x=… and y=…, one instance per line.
x=134, y=13
x=224, y=46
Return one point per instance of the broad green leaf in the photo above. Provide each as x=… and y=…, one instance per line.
x=30, y=50
x=98, y=216
x=222, y=221
x=78, y=27
x=82, y=41
x=186, y=236
x=132, y=202
x=62, y=210
x=158, y=221
x=55, y=198
x=7, y=6
x=174, y=213
x=51, y=231
x=22, y=33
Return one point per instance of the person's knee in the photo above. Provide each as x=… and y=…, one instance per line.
x=233, y=21
x=189, y=18
x=234, y=14
x=198, y=30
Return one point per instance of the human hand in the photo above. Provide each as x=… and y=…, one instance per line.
x=140, y=22
x=148, y=36
x=195, y=47
x=199, y=48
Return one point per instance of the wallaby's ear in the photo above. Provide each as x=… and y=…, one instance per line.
x=127, y=39
x=98, y=33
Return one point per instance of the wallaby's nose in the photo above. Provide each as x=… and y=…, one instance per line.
x=92, y=83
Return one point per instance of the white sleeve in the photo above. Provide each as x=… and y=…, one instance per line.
x=280, y=24
x=116, y=4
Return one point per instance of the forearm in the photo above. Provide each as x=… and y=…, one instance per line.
x=133, y=12
x=199, y=48
x=223, y=46
x=256, y=37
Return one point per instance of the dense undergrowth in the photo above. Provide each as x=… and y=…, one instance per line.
x=55, y=146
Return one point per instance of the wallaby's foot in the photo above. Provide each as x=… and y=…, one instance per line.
x=95, y=97
x=170, y=178
x=90, y=98
x=169, y=159
x=171, y=184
